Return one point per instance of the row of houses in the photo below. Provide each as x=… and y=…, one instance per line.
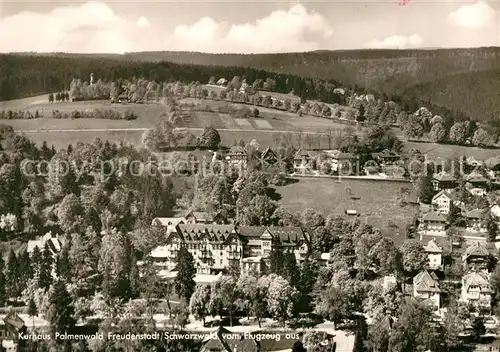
x=475, y=289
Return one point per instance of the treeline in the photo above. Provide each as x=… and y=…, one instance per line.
x=25, y=75
x=105, y=114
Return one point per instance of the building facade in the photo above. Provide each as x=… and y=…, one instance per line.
x=476, y=291
x=218, y=247
x=426, y=286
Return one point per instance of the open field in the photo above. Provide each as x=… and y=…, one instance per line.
x=377, y=203
x=270, y=124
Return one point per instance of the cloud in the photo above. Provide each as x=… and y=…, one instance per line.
x=142, y=22
x=89, y=27
x=396, y=42
x=280, y=31
x=95, y=27
x=474, y=16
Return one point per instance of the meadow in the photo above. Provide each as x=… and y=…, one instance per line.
x=265, y=129
x=377, y=204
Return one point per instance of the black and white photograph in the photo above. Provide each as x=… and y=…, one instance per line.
x=249, y=176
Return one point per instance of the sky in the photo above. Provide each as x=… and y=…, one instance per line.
x=244, y=26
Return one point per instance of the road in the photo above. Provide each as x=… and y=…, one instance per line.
x=144, y=129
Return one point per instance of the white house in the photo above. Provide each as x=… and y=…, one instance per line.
x=476, y=290
x=426, y=286
x=433, y=223
x=434, y=253
x=495, y=211
x=53, y=242
x=442, y=201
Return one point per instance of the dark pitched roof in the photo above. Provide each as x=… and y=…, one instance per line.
x=237, y=150
x=474, y=214
x=477, y=249
x=433, y=216
x=444, y=176
x=441, y=242
x=426, y=282
x=284, y=234
x=304, y=153
x=215, y=233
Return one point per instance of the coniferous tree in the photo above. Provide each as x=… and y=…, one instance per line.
x=426, y=189
x=25, y=270
x=2, y=282
x=61, y=312
x=32, y=310
x=184, y=281
x=291, y=270
x=36, y=260
x=63, y=264
x=12, y=276
x=46, y=265
x=276, y=261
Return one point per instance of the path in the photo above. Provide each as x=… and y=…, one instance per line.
x=144, y=129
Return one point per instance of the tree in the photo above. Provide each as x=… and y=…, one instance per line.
x=32, y=310
x=253, y=292
x=413, y=330
x=481, y=138
x=51, y=97
x=199, y=302
x=437, y=133
x=184, y=280
x=458, y=133
x=112, y=265
x=426, y=189
x=223, y=296
x=453, y=325
x=413, y=128
x=46, y=266
x=281, y=298
x=333, y=304
x=61, y=312
x=478, y=328
x=413, y=256
x=454, y=216
x=12, y=276
x=210, y=138
x=2, y=282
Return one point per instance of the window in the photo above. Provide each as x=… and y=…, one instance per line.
x=266, y=243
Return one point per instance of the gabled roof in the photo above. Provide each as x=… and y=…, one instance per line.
x=444, y=176
x=476, y=279
x=237, y=150
x=231, y=344
x=475, y=177
x=477, y=249
x=426, y=282
x=214, y=233
x=432, y=247
x=442, y=193
x=433, y=216
x=473, y=161
x=53, y=242
x=474, y=214
x=283, y=234
x=441, y=242
x=168, y=221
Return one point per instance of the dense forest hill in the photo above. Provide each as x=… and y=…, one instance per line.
x=23, y=75
x=475, y=94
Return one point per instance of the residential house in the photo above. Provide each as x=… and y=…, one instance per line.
x=493, y=167
x=217, y=247
x=302, y=160
x=343, y=162
x=203, y=217
x=474, y=219
x=53, y=242
x=222, y=82
x=426, y=286
x=10, y=327
x=123, y=98
x=259, y=242
x=471, y=163
x=435, y=254
x=244, y=87
x=477, y=184
x=386, y=157
x=441, y=202
x=444, y=181
x=476, y=257
x=476, y=291
x=433, y=222
x=226, y=341
x=237, y=155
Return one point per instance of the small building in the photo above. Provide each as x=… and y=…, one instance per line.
x=426, y=286
x=222, y=340
x=493, y=167
x=441, y=202
x=203, y=217
x=386, y=157
x=444, y=181
x=435, y=254
x=476, y=257
x=237, y=155
x=476, y=291
x=474, y=221
x=222, y=82
x=10, y=327
x=471, y=163
x=302, y=160
x=123, y=98
x=53, y=242
x=433, y=222
x=169, y=223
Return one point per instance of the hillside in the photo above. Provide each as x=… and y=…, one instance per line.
x=475, y=94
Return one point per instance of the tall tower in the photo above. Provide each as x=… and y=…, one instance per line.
x=91, y=78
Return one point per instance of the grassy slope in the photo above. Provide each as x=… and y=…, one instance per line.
x=377, y=204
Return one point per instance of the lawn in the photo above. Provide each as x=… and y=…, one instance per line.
x=377, y=203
